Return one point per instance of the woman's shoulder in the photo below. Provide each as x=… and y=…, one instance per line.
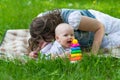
x=68, y=10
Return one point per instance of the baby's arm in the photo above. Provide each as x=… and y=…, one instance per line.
x=62, y=55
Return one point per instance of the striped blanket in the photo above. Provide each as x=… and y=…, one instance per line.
x=14, y=43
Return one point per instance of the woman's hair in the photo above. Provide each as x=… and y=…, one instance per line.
x=43, y=28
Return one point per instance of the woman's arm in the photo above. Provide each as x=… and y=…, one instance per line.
x=42, y=44
x=90, y=24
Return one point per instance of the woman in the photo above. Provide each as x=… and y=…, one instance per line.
x=92, y=28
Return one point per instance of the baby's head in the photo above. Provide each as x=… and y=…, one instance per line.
x=64, y=34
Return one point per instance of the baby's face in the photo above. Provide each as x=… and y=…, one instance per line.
x=65, y=37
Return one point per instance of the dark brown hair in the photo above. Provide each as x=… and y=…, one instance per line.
x=43, y=28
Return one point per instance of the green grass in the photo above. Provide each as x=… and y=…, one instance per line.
x=89, y=68
x=18, y=14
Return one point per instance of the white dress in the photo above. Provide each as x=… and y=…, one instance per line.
x=112, y=29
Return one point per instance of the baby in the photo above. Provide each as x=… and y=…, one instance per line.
x=64, y=34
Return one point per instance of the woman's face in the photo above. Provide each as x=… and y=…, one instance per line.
x=44, y=39
x=42, y=44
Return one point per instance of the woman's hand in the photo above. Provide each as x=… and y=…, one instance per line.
x=33, y=54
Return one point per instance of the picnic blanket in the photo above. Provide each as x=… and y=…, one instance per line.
x=14, y=43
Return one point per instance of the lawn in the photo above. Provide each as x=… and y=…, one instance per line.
x=18, y=14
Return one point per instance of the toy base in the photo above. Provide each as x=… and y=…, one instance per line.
x=75, y=58
x=73, y=61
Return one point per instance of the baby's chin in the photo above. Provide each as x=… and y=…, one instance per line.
x=67, y=46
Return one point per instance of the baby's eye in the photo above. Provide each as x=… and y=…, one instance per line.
x=65, y=35
x=72, y=34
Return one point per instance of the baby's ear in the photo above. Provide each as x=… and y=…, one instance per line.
x=56, y=37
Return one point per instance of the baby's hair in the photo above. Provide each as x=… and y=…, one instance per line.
x=62, y=26
x=43, y=28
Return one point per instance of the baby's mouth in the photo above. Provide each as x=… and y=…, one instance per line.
x=69, y=42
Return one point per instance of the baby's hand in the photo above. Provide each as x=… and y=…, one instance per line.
x=33, y=54
x=67, y=54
